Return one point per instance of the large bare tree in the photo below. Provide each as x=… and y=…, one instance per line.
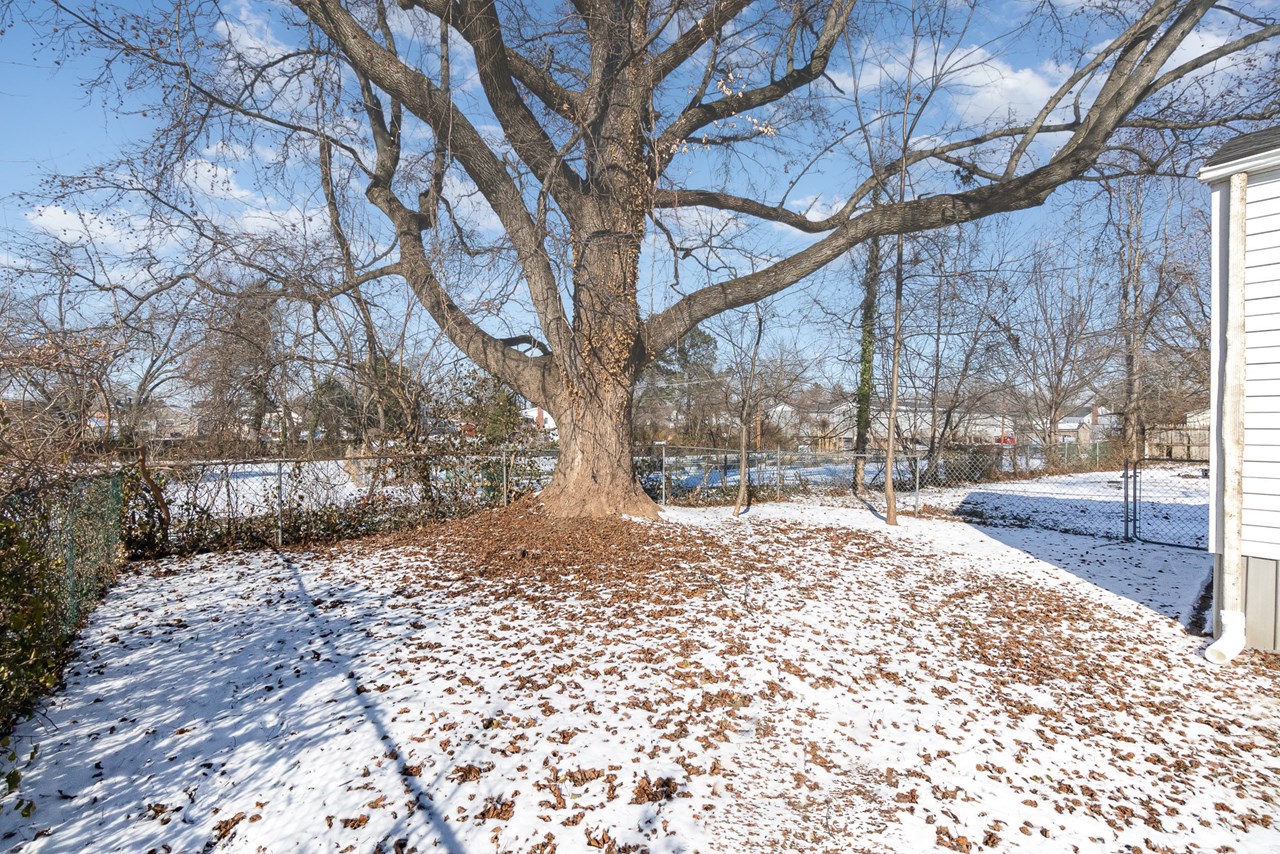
x=611, y=144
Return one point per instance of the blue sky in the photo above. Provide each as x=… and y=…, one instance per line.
x=60, y=129
x=50, y=126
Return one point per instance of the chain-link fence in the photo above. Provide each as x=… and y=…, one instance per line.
x=1070, y=487
x=1170, y=502
x=59, y=551
x=214, y=504
x=690, y=475
x=1075, y=488
x=182, y=507
x=217, y=504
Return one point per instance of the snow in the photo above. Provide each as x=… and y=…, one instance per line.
x=1174, y=505
x=846, y=686
x=1174, y=508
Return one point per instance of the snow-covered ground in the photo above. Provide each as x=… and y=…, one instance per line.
x=1173, y=506
x=802, y=678
x=244, y=489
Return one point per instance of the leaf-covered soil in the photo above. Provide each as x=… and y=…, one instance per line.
x=801, y=678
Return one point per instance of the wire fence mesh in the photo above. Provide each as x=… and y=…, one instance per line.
x=213, y=504
x=62, y=543
x=59, y=551
x=1075, y=488
x=1170, y=502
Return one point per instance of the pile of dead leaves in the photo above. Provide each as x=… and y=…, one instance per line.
x=521, y=551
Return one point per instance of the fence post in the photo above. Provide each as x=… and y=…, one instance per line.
x=664, y=472
x=917, y=468
x=1124, y=478
x=69, y=557
x=279, y=503
x=778, y=479
x=504, y=477
x=231, y=505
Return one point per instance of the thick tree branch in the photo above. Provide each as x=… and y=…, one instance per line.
x=1126, y=85
x=478, y=23
x=536, y=79
x=702, y=31
x=699, y=116
x=431, y=104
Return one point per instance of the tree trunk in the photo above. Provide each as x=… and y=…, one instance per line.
x=866, y=360
x=595, y=477
x=744, y=473
x=890, y=492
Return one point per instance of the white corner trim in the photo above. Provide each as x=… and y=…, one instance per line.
x=1231, y=425
x=1253, y=163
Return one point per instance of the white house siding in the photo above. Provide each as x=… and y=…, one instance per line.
x=1261, y=514
x=1262, y=603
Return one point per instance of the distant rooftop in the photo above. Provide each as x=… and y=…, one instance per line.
x=1246, y=145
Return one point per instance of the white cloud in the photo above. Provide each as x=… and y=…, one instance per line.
x=469, y=205
x=215, y=181
x=79, y=227
x=817, y=206
x=985, y=88
x=228, y=150
x=249, y=34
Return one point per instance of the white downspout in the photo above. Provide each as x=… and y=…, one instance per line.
x=1231, y=424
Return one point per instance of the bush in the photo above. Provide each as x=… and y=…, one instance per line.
x=59, y=551
x=32, y=623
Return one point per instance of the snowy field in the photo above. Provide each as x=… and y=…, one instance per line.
x=803, y=678
x=1174, y=508
x=1174, y=505
x=243, y=489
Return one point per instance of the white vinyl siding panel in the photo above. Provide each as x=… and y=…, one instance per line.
x=1267, y=471
x=1262, y=187
x=1262, y=509
x=1264, y=255
x=1259, y=222
x=1261, y=454
x=1255, y=389
x=1262, y=430
x=1251, y=546
x=1263, y=527
x=1261, y=513
x=1266, y=310
x=1265, y=229
x=1261, y=209
x=1261, y=322
x=1263, y=486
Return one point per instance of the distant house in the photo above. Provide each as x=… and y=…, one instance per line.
x=1244, y=459
x=540, y=419
x=833, y=425
x=822, y=426
x=170, y=422
x=1085, y=424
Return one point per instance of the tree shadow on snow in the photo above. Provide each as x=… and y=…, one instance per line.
x=256, y=702
x=1085, y=538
